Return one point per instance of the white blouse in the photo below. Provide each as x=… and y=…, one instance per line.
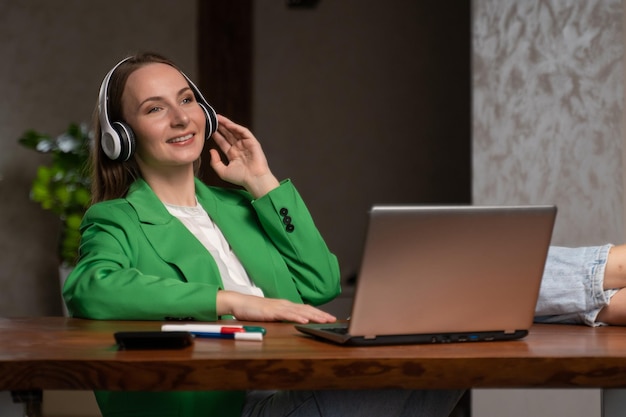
x=197, y=220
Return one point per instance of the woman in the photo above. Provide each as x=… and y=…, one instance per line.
x=158, y=244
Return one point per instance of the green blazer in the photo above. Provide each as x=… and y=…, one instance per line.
x=138, y=262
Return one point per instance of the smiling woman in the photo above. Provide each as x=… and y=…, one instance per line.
x=169, y=128
x=159, y=244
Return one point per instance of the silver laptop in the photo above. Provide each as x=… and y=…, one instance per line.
x=446, y=274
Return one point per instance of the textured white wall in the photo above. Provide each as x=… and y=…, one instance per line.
x=547, y=111
x=547, y=128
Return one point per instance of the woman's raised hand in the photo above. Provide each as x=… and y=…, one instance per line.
x=246, y=165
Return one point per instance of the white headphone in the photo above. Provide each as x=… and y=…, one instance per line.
x=118, y=139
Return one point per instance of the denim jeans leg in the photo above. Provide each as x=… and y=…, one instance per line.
x=571, y=289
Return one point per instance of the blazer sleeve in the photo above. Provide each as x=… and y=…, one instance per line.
x=119, y=276
x=289, y=224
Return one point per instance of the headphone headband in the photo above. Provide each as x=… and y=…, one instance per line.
x=117, y=138
x=109, y=140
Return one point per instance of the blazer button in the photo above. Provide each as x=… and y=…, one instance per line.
x=287, y=220
x=283, y=211
x=290, y=228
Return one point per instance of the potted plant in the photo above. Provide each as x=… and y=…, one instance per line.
x=63, y=186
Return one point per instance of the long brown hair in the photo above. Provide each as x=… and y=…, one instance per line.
x=112, y=179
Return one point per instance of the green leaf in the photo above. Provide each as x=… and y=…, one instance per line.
x=63, y=186
x=31, y=139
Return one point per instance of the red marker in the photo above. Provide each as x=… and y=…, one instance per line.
x=236, y=332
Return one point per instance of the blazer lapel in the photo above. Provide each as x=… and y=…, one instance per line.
x=241, y=229
x=171, y=240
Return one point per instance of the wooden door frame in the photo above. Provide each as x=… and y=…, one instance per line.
x=225, y=48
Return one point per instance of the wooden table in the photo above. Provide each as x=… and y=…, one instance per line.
x=63, y=353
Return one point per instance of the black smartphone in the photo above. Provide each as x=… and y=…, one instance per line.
x=153, y=340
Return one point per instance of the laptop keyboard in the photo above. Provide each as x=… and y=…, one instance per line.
x=338, y=330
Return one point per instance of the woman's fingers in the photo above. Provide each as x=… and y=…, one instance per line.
x=248, y=307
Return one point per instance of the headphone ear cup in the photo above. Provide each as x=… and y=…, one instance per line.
x=211, y=120
x=126, y=138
